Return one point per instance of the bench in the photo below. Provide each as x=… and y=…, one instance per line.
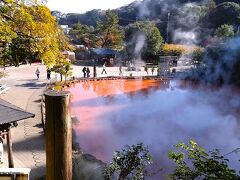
x=3, y=88
x=14, y=173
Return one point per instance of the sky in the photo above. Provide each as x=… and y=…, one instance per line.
x=81, y=6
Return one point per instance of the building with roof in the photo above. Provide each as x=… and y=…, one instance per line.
x=9, y=116
x=104, y=55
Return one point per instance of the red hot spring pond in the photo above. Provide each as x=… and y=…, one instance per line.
x=114, y=113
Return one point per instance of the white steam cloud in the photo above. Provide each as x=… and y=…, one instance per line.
x=160, y=119
x=185, y=37
x=140, y=41
x=222, y=69
x=187, y=17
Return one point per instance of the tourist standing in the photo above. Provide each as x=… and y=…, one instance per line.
x=120, y=70
x=37, y=72
x=104, y=69
x=48, y=74
x=84, y=71
x=146, y=69
x=88, y=72
x=153, y=70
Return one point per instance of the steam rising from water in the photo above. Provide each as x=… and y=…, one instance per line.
x=115, y=113
x=224, y=68
x=140, y=42
x=186, y=16
x=141, y=38
x=185, y=37
x=188, y=20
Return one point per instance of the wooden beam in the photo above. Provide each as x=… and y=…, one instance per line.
x=9, y=148
x=58, y=134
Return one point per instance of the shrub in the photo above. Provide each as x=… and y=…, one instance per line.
x=178, y=50
x=193, y=162
x=129, y=163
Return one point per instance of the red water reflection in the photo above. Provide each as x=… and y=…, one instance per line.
x=92, y=100
x=114, y=113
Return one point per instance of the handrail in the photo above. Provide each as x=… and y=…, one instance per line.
x=43, y=106
x=43, y=112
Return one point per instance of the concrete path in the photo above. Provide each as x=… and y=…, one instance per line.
x=28, y=138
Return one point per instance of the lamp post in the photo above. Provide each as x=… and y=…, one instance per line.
x=168, y=17
x=94, y=69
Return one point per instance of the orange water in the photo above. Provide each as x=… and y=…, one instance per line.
x=113, y=113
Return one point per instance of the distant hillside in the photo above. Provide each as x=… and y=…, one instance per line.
x=138, y=10
x=179, y=21
x=89, y=18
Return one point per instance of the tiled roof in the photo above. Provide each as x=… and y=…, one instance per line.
x=104, y=51
x=10, y=113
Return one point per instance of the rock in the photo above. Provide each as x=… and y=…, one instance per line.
x=87, y=167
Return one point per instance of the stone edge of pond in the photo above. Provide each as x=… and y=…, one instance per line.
x=79, y=80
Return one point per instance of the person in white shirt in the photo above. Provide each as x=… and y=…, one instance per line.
x=104, y=69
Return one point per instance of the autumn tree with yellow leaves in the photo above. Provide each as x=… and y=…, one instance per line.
x=28, y=31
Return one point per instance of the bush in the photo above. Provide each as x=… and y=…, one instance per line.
x=193, y=162
x=224, y=32
x=178, y=50
x=129, y=163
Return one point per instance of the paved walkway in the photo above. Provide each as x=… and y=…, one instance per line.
x=28, y=138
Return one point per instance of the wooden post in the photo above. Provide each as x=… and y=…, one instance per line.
x=9, y=148
x=58, y=128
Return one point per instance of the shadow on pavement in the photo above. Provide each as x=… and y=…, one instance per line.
x=32, y=85
x=30, y=143
x=38, y=173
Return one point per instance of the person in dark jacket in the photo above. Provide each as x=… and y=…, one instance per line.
x=84, y=71
x=37, y=72
x=88, y=72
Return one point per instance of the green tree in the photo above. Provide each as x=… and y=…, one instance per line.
x=129, y=163
x=154, y=40
x=83, y=34
x=27, y=28
x=62, y=67
x=193, y=162
x=224, y=32
x=21, y=50
x=6, y=33
x=225, y=13
x=109, y=32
